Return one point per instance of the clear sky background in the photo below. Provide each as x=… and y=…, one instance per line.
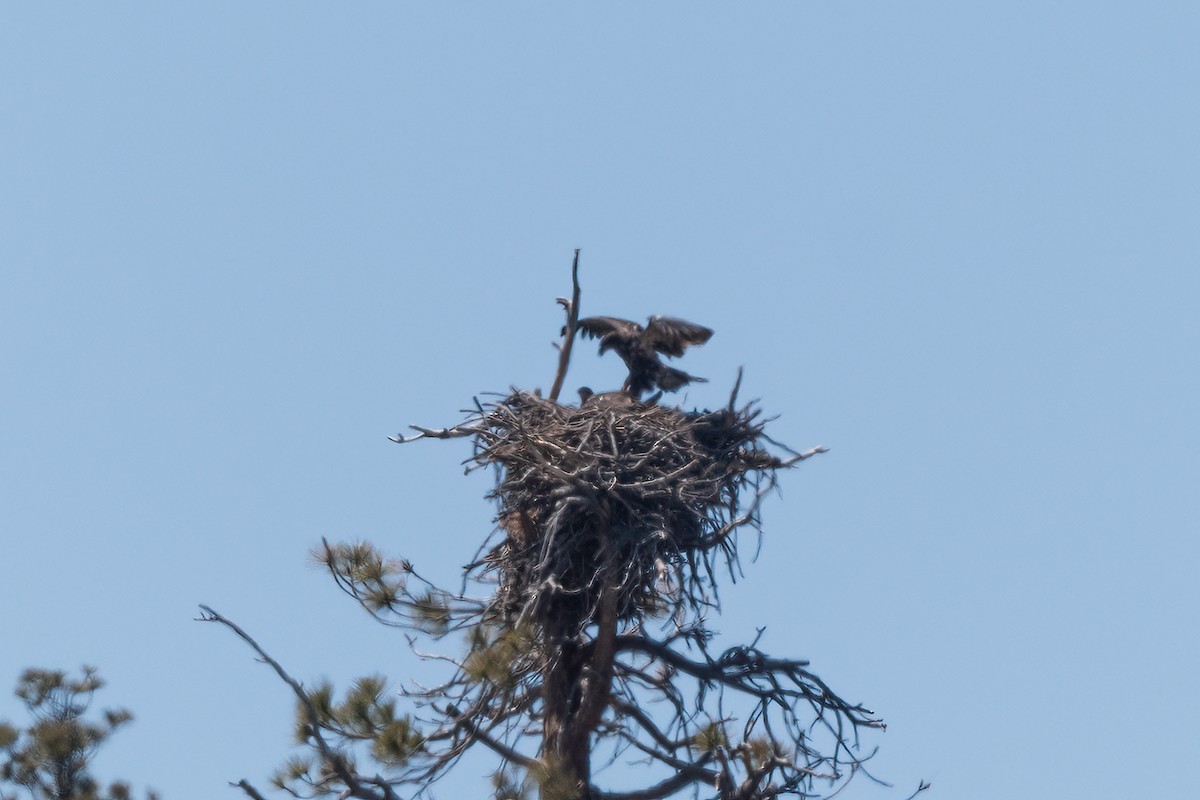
x=241, y=243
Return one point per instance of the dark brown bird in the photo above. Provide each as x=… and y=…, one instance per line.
x=639, y=347
x=589, y=399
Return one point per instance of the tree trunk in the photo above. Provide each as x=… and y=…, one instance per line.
x=576, y=689
x=566, y=761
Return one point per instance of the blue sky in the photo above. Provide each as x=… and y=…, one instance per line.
x=240, y=244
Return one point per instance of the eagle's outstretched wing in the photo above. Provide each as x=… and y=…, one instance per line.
x=597, y=327
x=672, y=336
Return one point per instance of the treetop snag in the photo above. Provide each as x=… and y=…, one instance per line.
x=588, y=640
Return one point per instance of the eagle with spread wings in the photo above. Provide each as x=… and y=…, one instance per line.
x=640, y=347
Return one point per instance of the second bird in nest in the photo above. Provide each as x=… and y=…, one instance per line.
x=639, y=347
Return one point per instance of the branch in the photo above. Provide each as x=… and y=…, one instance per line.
x=496, y=746
x=691, y=774
x=439, y=433
x=639, y=716
x=806, y=454
x=564, y=352
x=245, y=786
x=710, y=670
x=332, y=757
x=920, y=788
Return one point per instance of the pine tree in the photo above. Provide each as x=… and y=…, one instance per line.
x=49, y=759
x=589, y=639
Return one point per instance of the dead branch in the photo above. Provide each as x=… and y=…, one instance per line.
x=686, y=776
x=335, y=760
x=564, y=350
x=245, y=786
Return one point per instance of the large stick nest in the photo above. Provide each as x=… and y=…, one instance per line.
x=643, y=501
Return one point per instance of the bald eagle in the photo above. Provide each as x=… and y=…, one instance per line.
x=617, y=400
x=639, y=347
x=589, y=399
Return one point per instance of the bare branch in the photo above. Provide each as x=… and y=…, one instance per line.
x=496, y=746
x=438, y=433
x=693, y=773
x=334, y=759
x=245, y=786
x=806, y=454
x=564, y=351
x=922, y=786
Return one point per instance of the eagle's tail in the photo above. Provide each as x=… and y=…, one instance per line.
x=670, y=379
